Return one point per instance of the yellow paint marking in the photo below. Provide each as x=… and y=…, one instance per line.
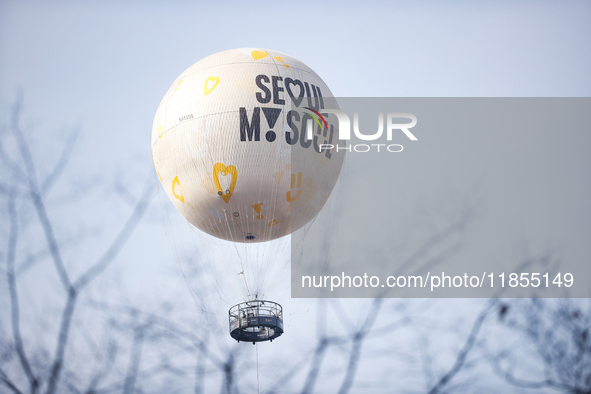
x=281, y=60
x=290, y=198
x=293, y=186
x=180, y=197
x=293, y=180
x=256, y=55
x=278, y=176
x=257, y=208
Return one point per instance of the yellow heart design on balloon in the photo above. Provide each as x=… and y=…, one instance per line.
x=256, y=55
x=219, y=167
x=216, y=80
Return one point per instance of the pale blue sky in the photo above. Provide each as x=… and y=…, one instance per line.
x=108, y=64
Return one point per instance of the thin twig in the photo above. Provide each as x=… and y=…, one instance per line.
x=463, y=354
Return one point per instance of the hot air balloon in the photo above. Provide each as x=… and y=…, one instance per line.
x=236, y=144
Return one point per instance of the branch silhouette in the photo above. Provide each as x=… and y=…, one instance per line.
x=27, y=179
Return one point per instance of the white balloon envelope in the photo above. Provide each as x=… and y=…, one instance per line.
x=229, y=145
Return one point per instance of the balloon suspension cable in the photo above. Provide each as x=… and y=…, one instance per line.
x=219, y=264
x=257, y=350
x=171, y=239
x=239, y=258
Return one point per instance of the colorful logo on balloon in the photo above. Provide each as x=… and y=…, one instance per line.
x=220, y=168
x=316, y=119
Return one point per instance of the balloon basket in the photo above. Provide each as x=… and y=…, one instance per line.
x=256, y=321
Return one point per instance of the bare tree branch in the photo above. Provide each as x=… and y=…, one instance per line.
x=8, y=383
x=463, y=354
x=520, y=382
x=37, y=200
x=14, y=305
x=559, y=332
x=197, y=343
x=200, y=368
x=426, y=361
x=11, y=165
x=62, y=161
x=315, y=366
x=436, y=239
x=135, y=358
x=358, y=338
x=33, y=258
x=121, y=239
x=88, y=276
x=62, y=341
x=228, y=369
x=105, y=368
